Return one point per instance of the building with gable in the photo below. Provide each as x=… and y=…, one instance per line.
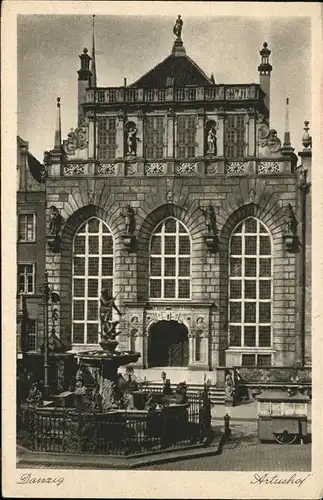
x=31, y=205
x=175, y=195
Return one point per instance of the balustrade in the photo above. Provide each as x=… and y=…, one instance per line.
x=184, y=94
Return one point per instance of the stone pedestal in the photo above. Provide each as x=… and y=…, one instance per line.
x=103, y=366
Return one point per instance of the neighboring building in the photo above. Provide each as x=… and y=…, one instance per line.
x=30, y=251
x=177, y=196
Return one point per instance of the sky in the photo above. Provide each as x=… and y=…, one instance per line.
x=129, y=46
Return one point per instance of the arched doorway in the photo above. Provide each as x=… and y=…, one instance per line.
x=168, y=344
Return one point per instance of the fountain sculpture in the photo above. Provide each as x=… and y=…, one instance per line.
x=102, y=365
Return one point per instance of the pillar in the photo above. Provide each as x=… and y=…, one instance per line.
x=251, y=134
x=199, y=148
x=120, y=135
x=169, y=139
x=220, y=134
x=140, y=135
x=91, y=147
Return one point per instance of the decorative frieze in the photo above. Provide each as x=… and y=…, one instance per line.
x=269, y=167
x=211, y=169
x=78, y=138
x=132, y=169
x=74, y=169
x=181, y=316
x=236, y=168
x=186, y=168
x=106, y=169
x=155, y=168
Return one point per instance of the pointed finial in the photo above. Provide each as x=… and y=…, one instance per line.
x=58, y=130
x=287, y=132
x=306, y=139
x=93, y=62
x=265, y=67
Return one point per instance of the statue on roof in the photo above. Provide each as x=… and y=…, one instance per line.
x=177, y=30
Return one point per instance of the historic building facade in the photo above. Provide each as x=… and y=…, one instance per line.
x=176, y=195
x=30, y=250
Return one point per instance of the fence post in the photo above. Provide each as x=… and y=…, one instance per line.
x=227, y=430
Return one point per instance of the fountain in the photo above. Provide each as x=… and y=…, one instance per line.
x=103, y=364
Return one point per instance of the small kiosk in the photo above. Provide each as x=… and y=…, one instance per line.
x=282, y=417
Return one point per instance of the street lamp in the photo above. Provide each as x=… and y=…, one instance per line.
x=53, y=297
x=20, y=326
x=46, y=294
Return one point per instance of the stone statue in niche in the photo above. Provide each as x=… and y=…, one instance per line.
x=211, y=139
x=56, y=221
x=131, y=139
x=177, y=30
x=55, y=227
x=129, y=217
x=251, y=196
x=290, y=220
x=210, y=219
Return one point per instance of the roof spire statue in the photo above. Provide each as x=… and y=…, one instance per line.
x=58, y=130
x=93, y=65
x=178, y=48
x=177, y=30
x=287, y=132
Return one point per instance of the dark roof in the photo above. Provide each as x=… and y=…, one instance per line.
x=182, y=70
x=35, y=167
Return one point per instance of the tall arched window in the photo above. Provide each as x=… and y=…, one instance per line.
x=250, y=286
x=170, y=261
x=92, y=271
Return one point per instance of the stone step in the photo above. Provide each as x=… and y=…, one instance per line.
x=216, y=394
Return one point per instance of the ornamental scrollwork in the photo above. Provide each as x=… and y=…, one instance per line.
x=132, y=169
x=186, y=168
x=106, y=169
x=268, y=167
x=236, y=167
x=155, y=168
x=212, y=169
x=267, y=138
x=78, y=138
x=74, y=169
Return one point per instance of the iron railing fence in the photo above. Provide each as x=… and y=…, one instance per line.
x=119, y=432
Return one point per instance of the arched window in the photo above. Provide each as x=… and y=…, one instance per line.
x=92, y=271
x=250, y=285
x=170, y=261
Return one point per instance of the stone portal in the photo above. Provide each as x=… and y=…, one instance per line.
x=168, y=344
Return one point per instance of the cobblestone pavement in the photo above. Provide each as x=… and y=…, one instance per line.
x=243, y=452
